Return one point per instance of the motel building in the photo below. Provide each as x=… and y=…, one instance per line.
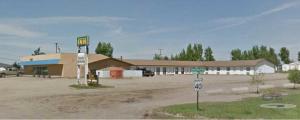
x=241, y=67
x=65, y=65
x=291, y=66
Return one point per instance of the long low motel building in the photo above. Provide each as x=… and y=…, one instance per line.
x=64, y=65
x=241, y=67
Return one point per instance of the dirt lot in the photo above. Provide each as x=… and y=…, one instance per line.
x=27, y=97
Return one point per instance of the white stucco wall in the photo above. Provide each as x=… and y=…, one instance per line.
x=264, y=66
x=291, y=66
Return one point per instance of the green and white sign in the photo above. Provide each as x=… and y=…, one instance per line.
x=198, y=70
x=83, y=41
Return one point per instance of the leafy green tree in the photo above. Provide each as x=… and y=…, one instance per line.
x=236, y=54
x=245, y=55
x=38, y=52
x=157, y=57
x=251, y=55
x=209, y=54
x=191, y=53
x=284, y=55
x=294, y=77
x=272, y=57
x=263, y=52
x=105, y=49
x=166, y=58
x=257, y=52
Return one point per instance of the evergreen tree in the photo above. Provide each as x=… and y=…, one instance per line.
x=189, y=52
x=193, y=52
x=209, y=54
x=273, y=57
x=198, y=51
x=255, y=52
x=284, y=55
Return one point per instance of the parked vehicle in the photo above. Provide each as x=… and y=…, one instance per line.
x=10, y=71
x=146, y=73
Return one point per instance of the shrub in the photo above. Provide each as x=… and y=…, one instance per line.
x=294, y=77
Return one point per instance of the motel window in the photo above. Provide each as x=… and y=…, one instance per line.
x=218, y=68
x=248, y=68
x=237, y=68
x=228, y=68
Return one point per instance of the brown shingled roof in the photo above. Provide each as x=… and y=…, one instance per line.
x=194, y=63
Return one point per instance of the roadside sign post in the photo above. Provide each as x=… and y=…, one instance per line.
x=82, y=58
x=198, y=82
x=81, y=61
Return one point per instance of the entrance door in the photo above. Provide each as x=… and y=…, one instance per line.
x=176, y=70
x=164, y=70
x=158, y=71
x=182, y=70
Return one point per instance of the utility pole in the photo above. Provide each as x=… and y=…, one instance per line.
x=160, y=53
x=56, y=47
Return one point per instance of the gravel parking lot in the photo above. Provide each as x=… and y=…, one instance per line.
x=28, y=97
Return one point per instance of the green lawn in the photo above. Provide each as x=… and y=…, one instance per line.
x=246, y=109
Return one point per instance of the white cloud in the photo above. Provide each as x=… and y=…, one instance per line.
x=236, y=21
x=16, y=30
x=15, y=26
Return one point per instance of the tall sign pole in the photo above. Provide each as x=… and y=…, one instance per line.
x=82, y=58
x=86, y=67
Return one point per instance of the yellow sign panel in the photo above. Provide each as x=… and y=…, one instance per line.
x=83, y=41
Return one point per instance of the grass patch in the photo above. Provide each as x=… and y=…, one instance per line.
x=90, y=86
x=246, y=109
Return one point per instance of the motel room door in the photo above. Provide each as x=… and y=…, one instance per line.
x=176, y=70
x=164, y=70
x=158, y=71
x=182, y=70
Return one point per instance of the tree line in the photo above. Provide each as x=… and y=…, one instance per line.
x=193, y=52
x=258, y=52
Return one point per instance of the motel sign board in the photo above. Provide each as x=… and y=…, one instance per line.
x=83, y=41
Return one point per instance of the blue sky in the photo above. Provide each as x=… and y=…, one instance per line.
x=138, y=28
